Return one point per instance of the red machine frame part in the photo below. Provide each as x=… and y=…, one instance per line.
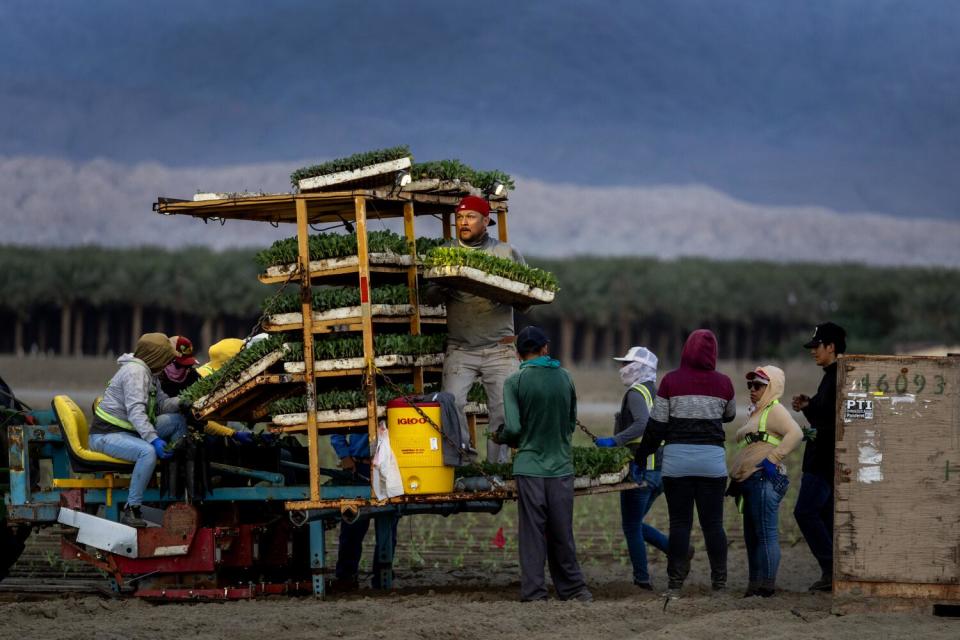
x=179, y=548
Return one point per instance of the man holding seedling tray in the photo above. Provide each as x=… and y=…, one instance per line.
x=480, y=331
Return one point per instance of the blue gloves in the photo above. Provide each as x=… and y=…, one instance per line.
x=769, y=469
x=243, y=437
x=160, y=446
x=605, y=443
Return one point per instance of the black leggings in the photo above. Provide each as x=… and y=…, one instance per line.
x=708, y=495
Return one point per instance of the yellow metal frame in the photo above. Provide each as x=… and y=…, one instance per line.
x=308, y=208
x=108, y=482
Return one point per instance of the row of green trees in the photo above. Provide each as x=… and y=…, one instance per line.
x=603, y=304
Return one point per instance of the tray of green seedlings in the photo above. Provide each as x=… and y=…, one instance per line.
x=493, y=277
x=476, y=400
x=236, y=371
x=332, y=406
x=592, y=467
x=333, y=304
x=338, y=252
x=367, y=170
x=334, y=353
x=452, y=177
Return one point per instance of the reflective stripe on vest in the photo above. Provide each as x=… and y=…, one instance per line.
x=124, y=424
x=762, y=434
x=642, y=390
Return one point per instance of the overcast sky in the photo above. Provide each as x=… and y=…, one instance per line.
x=850, y=105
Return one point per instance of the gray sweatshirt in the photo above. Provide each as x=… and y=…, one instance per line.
x=631, y=422
x=474, y=322
x=127, y=395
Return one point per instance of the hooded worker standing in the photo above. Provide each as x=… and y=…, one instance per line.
x=692, y=405
x=759, y=477
x=135, y=419
x=639, y=376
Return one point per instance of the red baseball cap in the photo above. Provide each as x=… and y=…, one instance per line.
x=758, y=374
x=478, y=204
x=184, y=349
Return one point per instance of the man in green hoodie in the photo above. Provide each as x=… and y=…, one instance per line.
x=540, y=403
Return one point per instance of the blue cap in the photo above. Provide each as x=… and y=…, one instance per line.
x=531, y=339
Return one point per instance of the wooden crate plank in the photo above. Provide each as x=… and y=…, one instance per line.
x=898, y=470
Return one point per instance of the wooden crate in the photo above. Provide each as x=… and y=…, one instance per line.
x=897, y=512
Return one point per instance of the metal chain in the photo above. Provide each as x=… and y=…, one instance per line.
x=583, y=428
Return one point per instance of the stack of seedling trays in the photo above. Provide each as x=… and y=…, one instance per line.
x=489, y=276
x=334, y=259
x=339, y=364
x=245, y=385
x=338, y=367
x=339, y=308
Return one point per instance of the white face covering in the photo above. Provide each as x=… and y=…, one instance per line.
x=636, y=372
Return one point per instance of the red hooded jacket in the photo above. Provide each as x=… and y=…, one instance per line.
x=694, y=401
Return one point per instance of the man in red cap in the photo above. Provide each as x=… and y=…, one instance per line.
x=480, y=331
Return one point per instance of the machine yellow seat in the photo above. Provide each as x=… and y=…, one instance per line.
x=76, y=434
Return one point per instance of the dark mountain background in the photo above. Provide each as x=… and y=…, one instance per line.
x=844, y=107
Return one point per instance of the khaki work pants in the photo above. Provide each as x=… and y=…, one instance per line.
x=491, y=366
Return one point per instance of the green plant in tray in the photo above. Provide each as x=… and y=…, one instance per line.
x=350, y=163
x=233, y=367
x=340, y=245
x=331, y=348
x=337, y=297
x=337, y=400
x=456, y=170
x=494, y=265
x=587, y=461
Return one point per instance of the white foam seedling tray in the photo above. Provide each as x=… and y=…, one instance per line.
x=338, y=415
x=382, y=362
x=346, y=262
x=343, y=313
x=489, y=286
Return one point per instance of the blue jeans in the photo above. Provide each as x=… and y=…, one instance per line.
x=761, y=506
x=351, y=543
x=130, y=446
x=634, y=505
x=814, y=515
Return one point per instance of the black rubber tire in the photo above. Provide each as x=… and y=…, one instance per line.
x=13, y=539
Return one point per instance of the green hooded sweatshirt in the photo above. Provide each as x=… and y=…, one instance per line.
x=540, y=403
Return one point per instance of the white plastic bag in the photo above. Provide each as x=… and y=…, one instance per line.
x=387, y=481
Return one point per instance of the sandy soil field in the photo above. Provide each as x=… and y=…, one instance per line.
x=472, y=603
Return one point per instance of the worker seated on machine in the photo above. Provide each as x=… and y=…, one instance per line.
x=136, y=420
x=183, y=372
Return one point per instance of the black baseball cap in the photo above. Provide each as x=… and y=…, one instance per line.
x=531, y=339
x=828, y=333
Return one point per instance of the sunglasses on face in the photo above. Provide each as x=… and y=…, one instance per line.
x=755, y=386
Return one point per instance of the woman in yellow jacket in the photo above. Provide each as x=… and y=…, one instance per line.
x=759, y=478
x=220, y=352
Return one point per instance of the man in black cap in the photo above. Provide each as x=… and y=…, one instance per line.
x=814, y=509
x=540, y=407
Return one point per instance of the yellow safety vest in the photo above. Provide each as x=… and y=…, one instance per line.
x=642, y=390
x=762, y=434
x=124, y=424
